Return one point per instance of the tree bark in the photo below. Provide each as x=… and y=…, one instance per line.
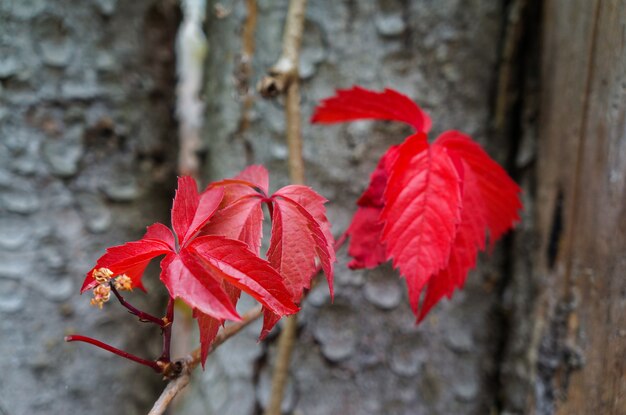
x=363, y=354
x=86, y=161
x=581, y=221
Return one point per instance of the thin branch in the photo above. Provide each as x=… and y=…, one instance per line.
x=190, y=362
x=283, y=77
x=285, y=70
x=243, y=76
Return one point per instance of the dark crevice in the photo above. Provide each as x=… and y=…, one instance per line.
x=555, y=231
x=512, y=101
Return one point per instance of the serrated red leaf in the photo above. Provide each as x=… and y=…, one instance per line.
x=469, y=239
x=160, y=232
x=365, y=246
x=297, y=240
x=313, y=204
x=191, y=210
x=186, y=279
x=422, y=212
x=232, y=261
x=358, y=103
x=269, y=321
x=130, y=259
x=257, y=175
x=241, y=220
x=500, y=194
x=209, y=326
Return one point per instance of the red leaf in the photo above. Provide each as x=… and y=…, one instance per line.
x=209, y=326
x=233, y=262
x=297, y=239
x=186, y=279
x=358, y=103
x=499, y=193
x=190, y=210
x=422, y=212
x=470, y=238
x=252, y=180
x=365, y=247
x=257, y=175
x=241, y=220
x=130, y=259
x=160, y=232
x=269, y=321
x=313, y=204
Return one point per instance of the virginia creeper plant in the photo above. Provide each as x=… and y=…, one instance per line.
x=429, y=208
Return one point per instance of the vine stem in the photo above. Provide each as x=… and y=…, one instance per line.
x=78, y=338
x=283, y=78
x=167, y=330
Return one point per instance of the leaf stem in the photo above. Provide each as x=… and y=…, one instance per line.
x=143, y=316
x=114, y=350
x=167, y=330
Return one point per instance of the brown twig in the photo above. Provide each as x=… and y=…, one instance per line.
x=190, y=362
x=283, y=77
x=244, y=74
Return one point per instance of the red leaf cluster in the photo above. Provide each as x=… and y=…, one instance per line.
x=428, y=207
x=213, y=252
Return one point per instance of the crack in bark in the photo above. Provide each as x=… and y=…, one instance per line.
x=518, y=67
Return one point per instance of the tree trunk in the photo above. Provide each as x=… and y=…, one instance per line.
x=85, y=163
x=581, y=215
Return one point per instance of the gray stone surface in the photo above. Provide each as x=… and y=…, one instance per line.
x=85, y=137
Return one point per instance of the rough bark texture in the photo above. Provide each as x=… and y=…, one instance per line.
x=363, y=354
x=581, y=222
x=85, y=162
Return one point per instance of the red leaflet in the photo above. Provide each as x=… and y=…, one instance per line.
x=500, y=194
x=422, y=211
x=300, y=230
x=358, y=104
x=231, y=261
x=365, y=245
x=469, y=239
x=131, y=259
x=311, y=206
x=427, y=206
x=190, y=210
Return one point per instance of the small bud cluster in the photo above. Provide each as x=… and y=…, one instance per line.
x=102, y=292
x=123, y=283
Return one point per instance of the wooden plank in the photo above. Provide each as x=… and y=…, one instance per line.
x=583, y=158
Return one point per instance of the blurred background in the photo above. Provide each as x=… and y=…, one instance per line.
x=96, y=121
